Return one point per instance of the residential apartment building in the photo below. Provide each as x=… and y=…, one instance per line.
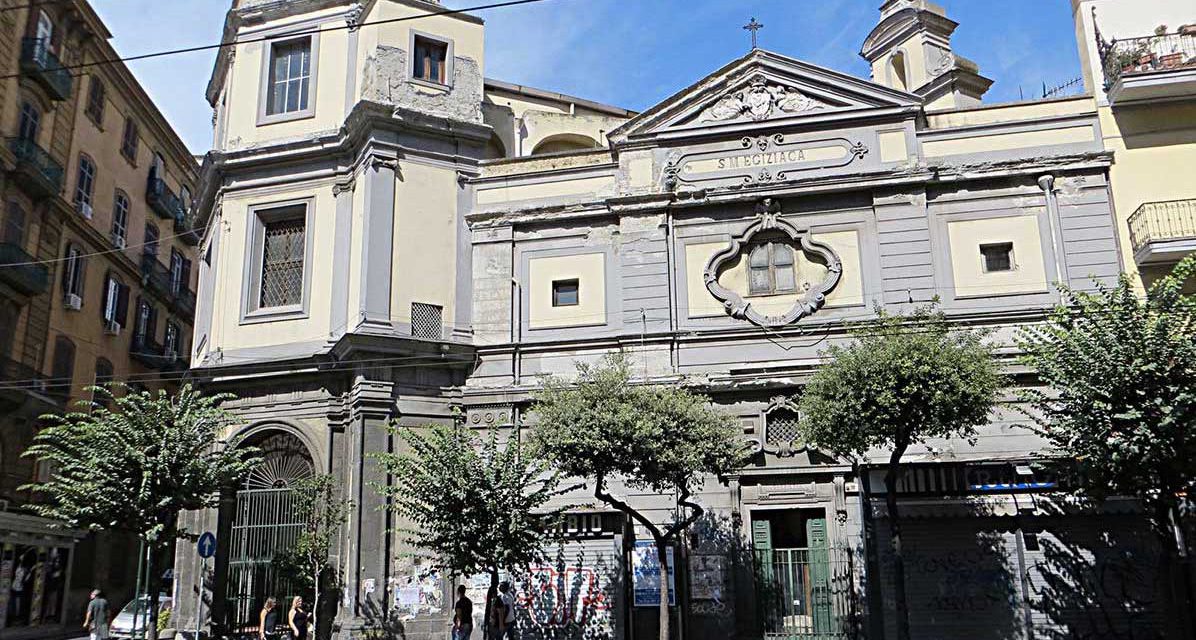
x=95, y=280
x=390, y=236
x=1139, y=63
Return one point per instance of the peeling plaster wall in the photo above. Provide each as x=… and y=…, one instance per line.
x=387, y=79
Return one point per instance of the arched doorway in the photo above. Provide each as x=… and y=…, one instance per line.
x=265, y=522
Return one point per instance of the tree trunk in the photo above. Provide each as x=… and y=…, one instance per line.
x=315, y=603
x=662, y=554
x=891, y=476
x=491, y=594
x=152, y=584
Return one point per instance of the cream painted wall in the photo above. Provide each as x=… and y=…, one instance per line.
x=1012, y=112
x=506, y=192
x=893, y=146
x=425, y=240
x=242, y=129
x=1155, y=151
x=966, y=236
x=849, y=291
x=523, y=121
x=227, y=331
x=1006, y=141
x=468, y=37
x=590, y=271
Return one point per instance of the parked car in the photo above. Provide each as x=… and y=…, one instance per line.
x=123, y=626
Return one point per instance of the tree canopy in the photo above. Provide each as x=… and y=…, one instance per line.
x=662, y=439
x=1119, y=401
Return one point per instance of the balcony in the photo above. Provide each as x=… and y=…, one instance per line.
x=42, y=175
x=162, y=200
x=17, y=381
x=17, y=271
x=148, y=352
x=1158, y=67
x=1163, y=232
x=156, y=276
x=184, y=226
x=39, y=63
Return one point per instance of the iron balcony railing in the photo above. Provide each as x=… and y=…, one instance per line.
x=39, y=61
x=1163, y=52
x=17, y=378
x=1157, y=221
x=184, y=226
x=157, y=277
x=42, y=173
x=162, y=200
x=149, y=352
x=807, y=593
x=18, y=270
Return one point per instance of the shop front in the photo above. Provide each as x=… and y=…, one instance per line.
x=35, y=572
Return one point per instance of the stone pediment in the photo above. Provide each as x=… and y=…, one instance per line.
x=764, y=87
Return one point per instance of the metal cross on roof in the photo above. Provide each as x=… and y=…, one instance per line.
x=753, y=26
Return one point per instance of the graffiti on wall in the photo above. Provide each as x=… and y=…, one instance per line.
x=567, y=599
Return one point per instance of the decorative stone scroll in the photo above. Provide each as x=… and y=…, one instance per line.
x=759, y=101
x=768, y=220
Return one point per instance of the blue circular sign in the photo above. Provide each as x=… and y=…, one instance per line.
x=206, y=545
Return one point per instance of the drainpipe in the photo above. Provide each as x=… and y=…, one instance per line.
x=1047, y=184
x=516, y=329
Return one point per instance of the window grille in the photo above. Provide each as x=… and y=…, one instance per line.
x=782, y=427
x=282, y=264
x=997, y=256
x=426, y=321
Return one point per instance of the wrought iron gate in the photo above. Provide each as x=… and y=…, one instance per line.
x=805, y=594
x=265, y=523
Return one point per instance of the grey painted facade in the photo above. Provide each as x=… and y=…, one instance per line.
x=833, y=154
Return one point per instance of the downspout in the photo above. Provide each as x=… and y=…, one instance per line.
x=670, y=256
x=516, y=327
x=1047, y=184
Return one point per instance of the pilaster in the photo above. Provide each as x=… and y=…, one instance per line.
x=377, y=260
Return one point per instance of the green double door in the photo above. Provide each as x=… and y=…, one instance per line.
x=794, y=583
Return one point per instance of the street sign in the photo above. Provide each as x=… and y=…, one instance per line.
x=206, y=545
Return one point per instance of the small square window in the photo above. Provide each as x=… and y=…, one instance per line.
x=565, y=293
x=431, y=60
x=997, y=256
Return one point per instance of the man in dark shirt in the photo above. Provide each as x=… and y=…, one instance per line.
x=98, y=616
x=462, y=615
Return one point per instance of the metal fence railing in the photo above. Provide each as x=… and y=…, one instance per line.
x=806, y=593
x=1170, y=220
x=1162, y=52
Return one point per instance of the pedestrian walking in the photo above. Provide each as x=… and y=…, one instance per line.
x=462, y=615
x=268, y=621
x=507, y=595
x=98, y=616
x=298, y=619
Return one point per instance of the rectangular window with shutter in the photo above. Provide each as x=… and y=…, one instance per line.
x=95, y=101
x=276, y=283
x=128, y=140
x=432, y=61
x=72, y=271
x=288, y=80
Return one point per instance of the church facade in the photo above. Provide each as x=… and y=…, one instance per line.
x=392, y=236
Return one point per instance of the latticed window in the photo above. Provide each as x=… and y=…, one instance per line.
x=782, y=427
x=427, y=321
x=770, y=267
x=283, y=244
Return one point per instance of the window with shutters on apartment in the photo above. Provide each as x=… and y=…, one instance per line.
x=85, y=184
x=62, y=371
x=14, y=224
x=95, y=101
x=104, y=377
x=29, y=122
x=72, y=272
x=128, y=140
x=120, y=219
x=115, y=308
x=170, y=341
x=150, y=245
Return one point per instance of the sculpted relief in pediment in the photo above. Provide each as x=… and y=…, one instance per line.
x=759, y=101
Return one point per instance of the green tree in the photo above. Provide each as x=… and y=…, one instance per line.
x=473, y=504
x=1119, y=402
x=663, y=439
x=137, y=465
x=902, y=381
x=322, y=511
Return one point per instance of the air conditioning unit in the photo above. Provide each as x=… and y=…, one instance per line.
x=84, y=210
x=112, y=328
x=72, y=302
x=118, y=241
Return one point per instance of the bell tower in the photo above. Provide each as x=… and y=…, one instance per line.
x=910, y=50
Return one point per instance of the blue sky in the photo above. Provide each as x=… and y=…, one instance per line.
x=631, y=53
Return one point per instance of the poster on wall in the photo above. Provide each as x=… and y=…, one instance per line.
x=645, y=574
